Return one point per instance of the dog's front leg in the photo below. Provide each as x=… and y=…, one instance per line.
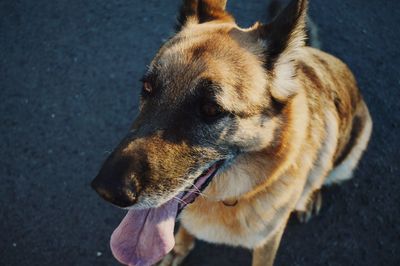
x=264, y=255
x=184, y=243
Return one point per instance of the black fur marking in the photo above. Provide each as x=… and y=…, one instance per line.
x=310, y=74
x=275, y=108
x=279, y=33
x=203, y=10
x=356, y=129
x=188, y=9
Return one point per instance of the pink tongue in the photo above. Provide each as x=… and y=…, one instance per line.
x=144, y=237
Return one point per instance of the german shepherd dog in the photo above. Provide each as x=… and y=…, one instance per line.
x=237, y=129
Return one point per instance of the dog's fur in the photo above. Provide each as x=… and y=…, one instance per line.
x=286, y=118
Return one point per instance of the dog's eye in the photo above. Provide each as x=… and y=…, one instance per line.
x=211, y=110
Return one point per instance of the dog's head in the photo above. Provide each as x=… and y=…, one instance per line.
x=213, y=91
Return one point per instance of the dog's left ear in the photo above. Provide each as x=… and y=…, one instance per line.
x=282, y=38
x=201, y=11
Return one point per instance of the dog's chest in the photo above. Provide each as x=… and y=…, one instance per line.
x=217, y=225
x=243, y=225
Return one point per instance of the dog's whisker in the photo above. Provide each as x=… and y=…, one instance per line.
x=196, y=192
x=180, y=200
x=196, y=188
x=193, y=189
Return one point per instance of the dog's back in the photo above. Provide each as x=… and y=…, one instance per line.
x=335, y=99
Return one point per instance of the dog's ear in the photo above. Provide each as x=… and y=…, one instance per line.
x=282, y=39
x=200, y=11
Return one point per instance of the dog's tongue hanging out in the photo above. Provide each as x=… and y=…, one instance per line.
x=145, y=236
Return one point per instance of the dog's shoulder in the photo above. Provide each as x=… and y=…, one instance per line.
x=328, y=80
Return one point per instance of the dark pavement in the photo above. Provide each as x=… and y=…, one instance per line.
x=69, y=74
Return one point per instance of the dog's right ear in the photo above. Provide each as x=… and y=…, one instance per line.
x=201, y=11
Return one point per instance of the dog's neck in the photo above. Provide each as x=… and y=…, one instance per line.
x=253, y=172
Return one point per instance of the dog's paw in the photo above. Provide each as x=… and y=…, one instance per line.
x=313, y=207
x=176, y=256
x=184, y=243
x=172, y=259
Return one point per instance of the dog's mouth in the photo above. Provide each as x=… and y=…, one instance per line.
x=146, y=235
x=192, y=192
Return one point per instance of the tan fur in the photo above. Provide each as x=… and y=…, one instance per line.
x=292, y=120
x=269, y=188
x=269, y=184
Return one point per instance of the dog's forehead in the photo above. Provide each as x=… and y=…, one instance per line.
x=209, y=52
x=191, y=51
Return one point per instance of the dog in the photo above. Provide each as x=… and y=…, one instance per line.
x=237, y=129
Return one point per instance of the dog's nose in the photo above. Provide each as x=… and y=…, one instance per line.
x=122, y=194
x=116, y=182
x=120, y=179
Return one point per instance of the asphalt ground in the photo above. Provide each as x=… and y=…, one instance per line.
x=69, y=86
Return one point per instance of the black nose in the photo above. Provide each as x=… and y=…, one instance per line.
x=116, y=183
x=122, y=195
